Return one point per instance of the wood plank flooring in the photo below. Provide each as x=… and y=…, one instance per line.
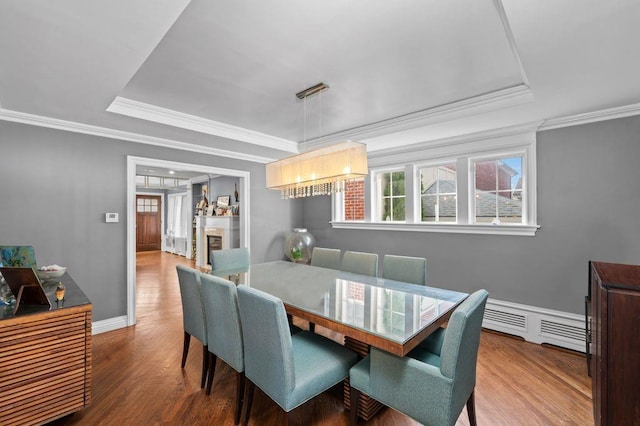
x=137, y=379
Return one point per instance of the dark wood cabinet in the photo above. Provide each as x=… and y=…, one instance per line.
x=613, y=342
x=45, y=359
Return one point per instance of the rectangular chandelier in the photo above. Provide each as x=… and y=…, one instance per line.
x=321, y=171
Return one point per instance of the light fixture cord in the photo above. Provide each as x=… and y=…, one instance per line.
x=305, y=119
x=320, y=119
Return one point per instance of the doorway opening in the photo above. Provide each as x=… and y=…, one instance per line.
x=132, y=164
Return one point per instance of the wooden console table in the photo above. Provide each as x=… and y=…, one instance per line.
x=45, y=359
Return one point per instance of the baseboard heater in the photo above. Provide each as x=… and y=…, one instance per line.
x=536, y=325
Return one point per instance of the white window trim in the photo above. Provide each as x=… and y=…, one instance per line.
x=464, y=151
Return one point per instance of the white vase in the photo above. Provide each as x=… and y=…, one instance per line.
x=298, y=245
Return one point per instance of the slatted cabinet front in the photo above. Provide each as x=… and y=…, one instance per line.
x=45, y=365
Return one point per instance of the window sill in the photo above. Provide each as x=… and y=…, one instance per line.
x=518, y=230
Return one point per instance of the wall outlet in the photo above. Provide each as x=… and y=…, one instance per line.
x=111, y=217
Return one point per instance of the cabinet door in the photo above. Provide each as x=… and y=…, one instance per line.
x=623, y=369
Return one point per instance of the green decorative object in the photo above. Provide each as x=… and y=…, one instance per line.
x=298, y=245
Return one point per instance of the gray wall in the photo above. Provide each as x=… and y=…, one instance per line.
x=588, y=208
x=55, y=187
x=223, y=185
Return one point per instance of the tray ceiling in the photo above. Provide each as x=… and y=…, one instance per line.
x=223, y=75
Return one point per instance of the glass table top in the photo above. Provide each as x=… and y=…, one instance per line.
x=390, y=309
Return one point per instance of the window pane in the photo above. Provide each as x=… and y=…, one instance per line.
x=385, y=183
x=393, y=209
x=386, y=209
x=397, y=183
x=498, y=190
x=438, y=189
x=391, y=199
x=398, y=209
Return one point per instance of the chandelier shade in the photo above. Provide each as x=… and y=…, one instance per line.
x=321, y=171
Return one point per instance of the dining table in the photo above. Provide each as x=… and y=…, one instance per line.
x=391, y=315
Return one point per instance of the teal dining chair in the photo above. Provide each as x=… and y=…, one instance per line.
x=224, y=331
x=290, y=369
x=433, y=382
x=405, y=268
x=193, y=316
x=229, y=258
x=360, y=263
x=326, y=257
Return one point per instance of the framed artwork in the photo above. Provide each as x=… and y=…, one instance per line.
x=223, y=200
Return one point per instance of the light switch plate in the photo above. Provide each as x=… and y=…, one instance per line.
x=111, y=217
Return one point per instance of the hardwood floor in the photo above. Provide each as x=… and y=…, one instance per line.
x=137, y=379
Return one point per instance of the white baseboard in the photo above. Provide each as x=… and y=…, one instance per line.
x=110, y=324
x=537, y=325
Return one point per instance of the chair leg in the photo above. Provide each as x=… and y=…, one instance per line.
x=185, y=348
x=312, y=327
x=471, y=408
x=212, y=371
x=285, y=417
x=205, y=365
x=248, y=400
x=239, y=396
x=354, y=397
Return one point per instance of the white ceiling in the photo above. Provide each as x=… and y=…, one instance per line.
x=221, y=76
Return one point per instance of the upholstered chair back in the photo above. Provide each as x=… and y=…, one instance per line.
x=360, y=263
x=229, y=258
x=224, y=331
x=193, y=316
x=405, y=268
x=267, y=343
x=459, y=353
x=326, y=257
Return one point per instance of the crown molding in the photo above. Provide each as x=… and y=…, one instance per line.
x=591, y=117
x=476, y=105
x=70, y=126
x=525, y=132
x=144, y=111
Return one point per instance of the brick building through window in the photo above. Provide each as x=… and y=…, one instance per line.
x=354, y=200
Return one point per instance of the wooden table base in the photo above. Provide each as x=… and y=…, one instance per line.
x=367, y=406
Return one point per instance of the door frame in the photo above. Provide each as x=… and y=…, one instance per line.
x=161, y=195
x=132, y=163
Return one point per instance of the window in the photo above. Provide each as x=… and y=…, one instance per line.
x=147, y=205
x=391, y=200
x=178, y=220
x=438, y=193
x=480, y=186
x=498, y=190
